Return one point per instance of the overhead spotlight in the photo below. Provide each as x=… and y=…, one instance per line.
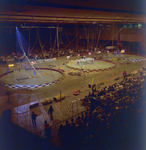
x=139, y=25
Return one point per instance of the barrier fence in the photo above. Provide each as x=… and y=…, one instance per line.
x=55, y=127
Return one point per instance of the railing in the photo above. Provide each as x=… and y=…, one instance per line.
x=56, y=126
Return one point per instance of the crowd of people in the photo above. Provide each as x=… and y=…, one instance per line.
x=38, y=53
x=114, y=123
x=111, y=112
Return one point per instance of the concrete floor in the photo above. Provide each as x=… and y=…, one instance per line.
x=22, y=99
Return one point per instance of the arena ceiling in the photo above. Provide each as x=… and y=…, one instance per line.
x=72, y=12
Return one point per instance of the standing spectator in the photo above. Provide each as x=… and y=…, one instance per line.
x=25, y=66
x=50, y=111
x=78, y=62
x=34, y=72
x=61, y=132
x=92, y=61
x=115, y=52
x=124, y=75
x=119, y=54
x=8, y=70
x=29, y=67
x=19, y=67
x=33, y=117
x=8, y=93
x=47, y=129
x=141, y=73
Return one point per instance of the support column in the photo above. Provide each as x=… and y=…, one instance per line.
x=118, y=39
x=57, y=42
x=113, y=35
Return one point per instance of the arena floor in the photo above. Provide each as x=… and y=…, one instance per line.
x=27, y=77
x=21, y=99
x=95, y=65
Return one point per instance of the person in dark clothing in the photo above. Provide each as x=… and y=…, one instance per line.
x=8, y=93
x=8, y=70
x=33, y=117
x=61, y=132
x=124, y=75
x=47, y=129
x=50, y=111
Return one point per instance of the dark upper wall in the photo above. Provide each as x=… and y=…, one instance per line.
x=129, y=6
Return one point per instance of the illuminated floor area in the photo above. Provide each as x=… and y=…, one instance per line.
x=22, y=99
x=96, y=64
x=27, y=77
